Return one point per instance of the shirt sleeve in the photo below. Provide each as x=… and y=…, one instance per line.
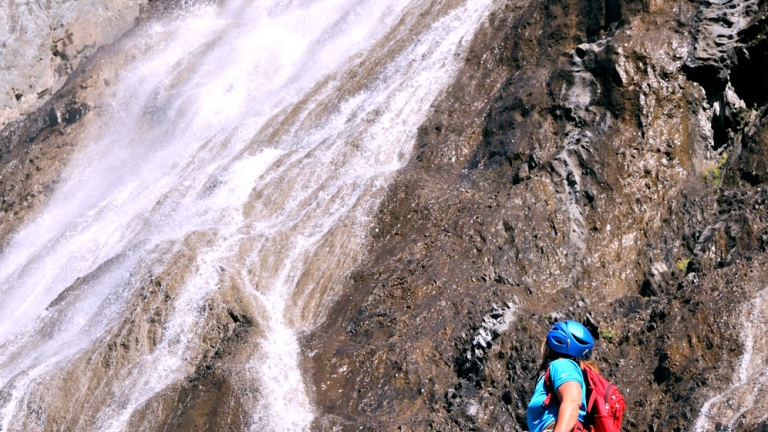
x=563, y=370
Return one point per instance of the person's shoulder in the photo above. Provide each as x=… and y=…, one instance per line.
x=564, y=368
x=564, y=363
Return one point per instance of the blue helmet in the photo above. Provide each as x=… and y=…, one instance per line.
x=571, y=338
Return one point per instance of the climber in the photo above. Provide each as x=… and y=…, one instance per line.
x=566, y=350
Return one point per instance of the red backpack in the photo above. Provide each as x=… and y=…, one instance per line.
x=605, y=405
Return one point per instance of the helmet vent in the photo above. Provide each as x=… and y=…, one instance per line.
x=579, y=340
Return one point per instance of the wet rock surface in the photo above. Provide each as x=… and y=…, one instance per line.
x=594, y=161
x=82, y=394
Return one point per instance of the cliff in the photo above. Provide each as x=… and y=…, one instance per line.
x=598, y=161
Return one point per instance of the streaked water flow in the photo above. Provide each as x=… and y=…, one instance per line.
x=749, y=389
x=245, y=147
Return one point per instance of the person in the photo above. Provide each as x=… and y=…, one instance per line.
x=566, y=350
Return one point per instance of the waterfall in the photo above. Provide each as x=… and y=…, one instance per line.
x=237, y=158
x=748, y=389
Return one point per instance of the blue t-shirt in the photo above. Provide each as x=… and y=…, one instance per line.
x=561, y=371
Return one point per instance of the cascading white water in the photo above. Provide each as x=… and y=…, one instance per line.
x=748, y=390
x=255, y=140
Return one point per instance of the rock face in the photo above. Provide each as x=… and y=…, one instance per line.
x=599, y=161
x=42, y=43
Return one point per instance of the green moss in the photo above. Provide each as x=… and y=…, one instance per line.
x=608, y=334
x=682, y=264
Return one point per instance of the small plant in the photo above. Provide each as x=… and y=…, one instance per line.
x=607, y=334
x=715, y=174
x=54, y=49
x=548, y=316
x=682, y=264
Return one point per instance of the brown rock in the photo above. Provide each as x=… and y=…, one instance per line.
x=592, y=186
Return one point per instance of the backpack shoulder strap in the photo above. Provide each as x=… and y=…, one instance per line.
x=549, y=387
x=591, y=395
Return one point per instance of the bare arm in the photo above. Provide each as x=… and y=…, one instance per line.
x=570, y=401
